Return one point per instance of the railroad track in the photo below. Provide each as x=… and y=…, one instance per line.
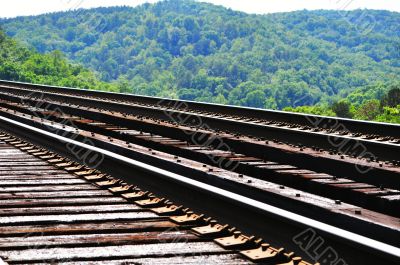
x=372, y=129
x=56, y=211
x=369, y=140
x=66, y=213
x=371, y=151
x=313, y=183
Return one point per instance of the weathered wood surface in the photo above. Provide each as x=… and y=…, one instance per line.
x=50, y=216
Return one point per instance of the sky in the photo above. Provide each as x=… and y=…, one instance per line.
x=35, y=7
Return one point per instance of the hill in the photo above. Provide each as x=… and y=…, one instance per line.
x=198, y=51
x=22, y=64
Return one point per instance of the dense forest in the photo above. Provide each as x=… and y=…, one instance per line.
x=22, y=64
x=325, y=62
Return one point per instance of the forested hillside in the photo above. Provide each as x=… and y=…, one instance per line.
x=198, y=51
x=19, y=63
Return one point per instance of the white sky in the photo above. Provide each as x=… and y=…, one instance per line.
x=34, y=7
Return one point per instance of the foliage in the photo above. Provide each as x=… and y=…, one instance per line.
x=316, y=110
x=321, y=62
x=369, y=109
x=390, y=115
x=19, y=63
x=198, y=51
x=342, y=109
x=392, y=99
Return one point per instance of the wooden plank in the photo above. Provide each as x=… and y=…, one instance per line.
x=333, y=181
x=49, y=188
x=24, y=168
x=32, y=172
x=70, y=209
x=5, y=152
x=377, y=191
x=391, y=197
x=33, y=177
x=226, y=259
x=277, y=167
x=353, y=185
x=20, y=158
x=38, y=242
x=11, y=152
x=83, y=228
x=62, y=201
x=22, y=163
x=126, y=251
x=40, y=182
x=54, y=194
x=70, y=218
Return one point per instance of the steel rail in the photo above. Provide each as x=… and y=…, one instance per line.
x=196, y=155
x=334, y=166
x=318, y=121
x=252, y=215
x=374, y=148
x=384, y=232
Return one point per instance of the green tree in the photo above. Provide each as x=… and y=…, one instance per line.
x=342, y=109
x=316, y=110
x=21, y=64
x=389, y=114
x=368, y=111
x=255, y=99
x=392, y=98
